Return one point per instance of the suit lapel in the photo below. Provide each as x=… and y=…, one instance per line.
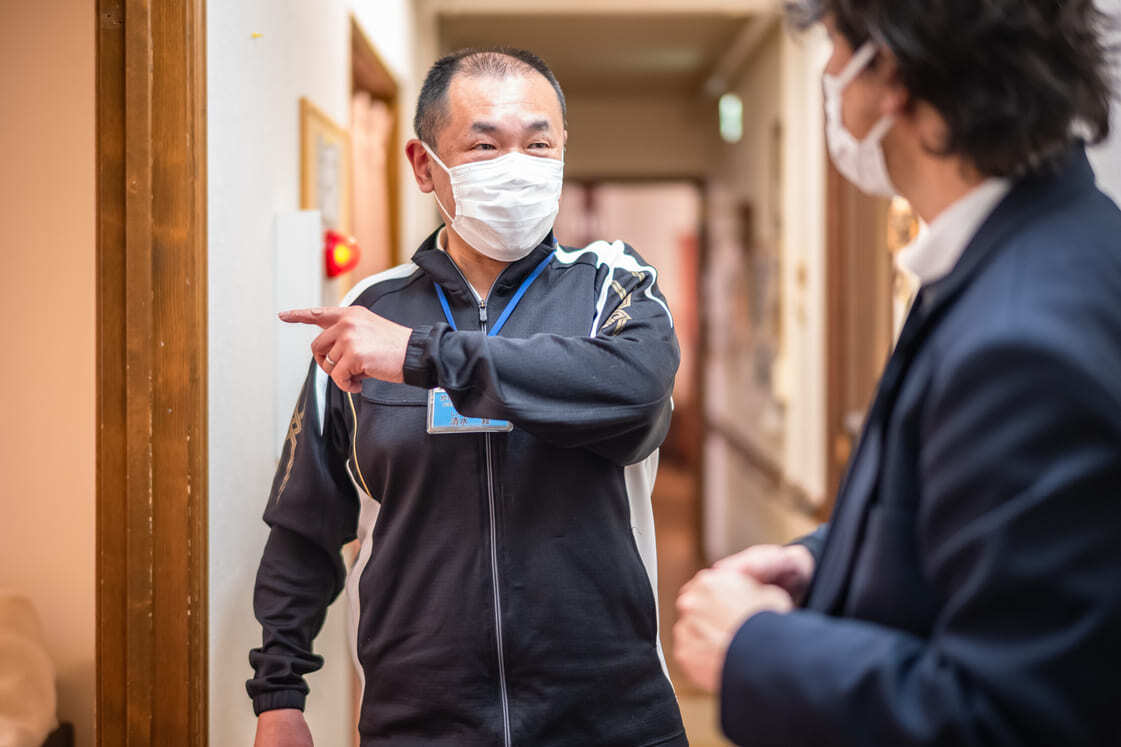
x=862, y=477
x=1032, y=196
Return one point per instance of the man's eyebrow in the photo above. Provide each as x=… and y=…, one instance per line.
x=489, y=128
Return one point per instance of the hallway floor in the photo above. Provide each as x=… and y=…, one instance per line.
x=679, y=557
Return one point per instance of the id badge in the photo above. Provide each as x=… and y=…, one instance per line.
x=444, y=418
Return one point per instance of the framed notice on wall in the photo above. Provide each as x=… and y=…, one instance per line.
x=324, y=167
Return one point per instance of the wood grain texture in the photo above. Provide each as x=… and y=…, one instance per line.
x=111, y=563
x=151, y=227
x=858, y=309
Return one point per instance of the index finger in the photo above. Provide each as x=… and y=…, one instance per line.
x=322, y=316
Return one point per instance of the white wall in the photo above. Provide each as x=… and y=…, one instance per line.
x=1107, y=156
x=390, y=25
x=254, y=86
x=47, y=385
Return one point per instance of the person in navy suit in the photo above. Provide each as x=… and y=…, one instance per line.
x=967, y=589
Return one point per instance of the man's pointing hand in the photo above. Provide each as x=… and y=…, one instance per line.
x=355, y=344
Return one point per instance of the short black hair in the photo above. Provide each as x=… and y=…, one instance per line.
x=1017, y=81
x=431, y=105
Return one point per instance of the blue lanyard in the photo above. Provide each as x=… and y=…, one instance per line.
x=509, y=307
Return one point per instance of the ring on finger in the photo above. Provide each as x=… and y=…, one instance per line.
x=330, y=362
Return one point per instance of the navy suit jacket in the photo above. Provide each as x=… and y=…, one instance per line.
x=968, y=586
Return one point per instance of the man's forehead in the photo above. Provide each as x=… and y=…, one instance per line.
x=527, y=96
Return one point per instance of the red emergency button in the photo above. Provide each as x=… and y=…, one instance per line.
x=341, y=253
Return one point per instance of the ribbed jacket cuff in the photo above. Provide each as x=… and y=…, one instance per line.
x=279, y=699
x=418, y=369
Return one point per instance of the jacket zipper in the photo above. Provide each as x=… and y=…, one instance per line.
x=506, y=740
x=494, y=567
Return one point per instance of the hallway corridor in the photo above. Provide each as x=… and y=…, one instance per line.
x=679, y=557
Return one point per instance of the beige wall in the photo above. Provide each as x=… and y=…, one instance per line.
x=648, y=135
x=47, y=306
x=784, y=422
x=741, y=174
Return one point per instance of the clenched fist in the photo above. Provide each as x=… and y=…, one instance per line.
x=790, y=567
x=711, y=608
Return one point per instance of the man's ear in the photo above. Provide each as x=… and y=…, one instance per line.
x=898, y=100
x=421, y=163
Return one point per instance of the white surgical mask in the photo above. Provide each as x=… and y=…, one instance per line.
x=859, y=161
x=504, y=206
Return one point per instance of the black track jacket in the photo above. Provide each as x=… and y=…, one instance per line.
x=504, y=589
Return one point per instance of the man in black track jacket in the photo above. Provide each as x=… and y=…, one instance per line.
x=485, y=421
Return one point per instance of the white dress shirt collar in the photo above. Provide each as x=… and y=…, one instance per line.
x=939, y=246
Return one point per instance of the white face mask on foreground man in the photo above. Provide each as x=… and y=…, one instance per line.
x=504, y=206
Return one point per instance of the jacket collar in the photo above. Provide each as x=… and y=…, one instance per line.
x=1033, y=195
x=439, y=265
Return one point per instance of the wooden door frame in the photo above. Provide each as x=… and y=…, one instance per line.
x=151, y=533
x=858, y=334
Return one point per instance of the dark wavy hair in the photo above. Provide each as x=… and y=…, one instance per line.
x=431, y=105
x=1017, y=81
